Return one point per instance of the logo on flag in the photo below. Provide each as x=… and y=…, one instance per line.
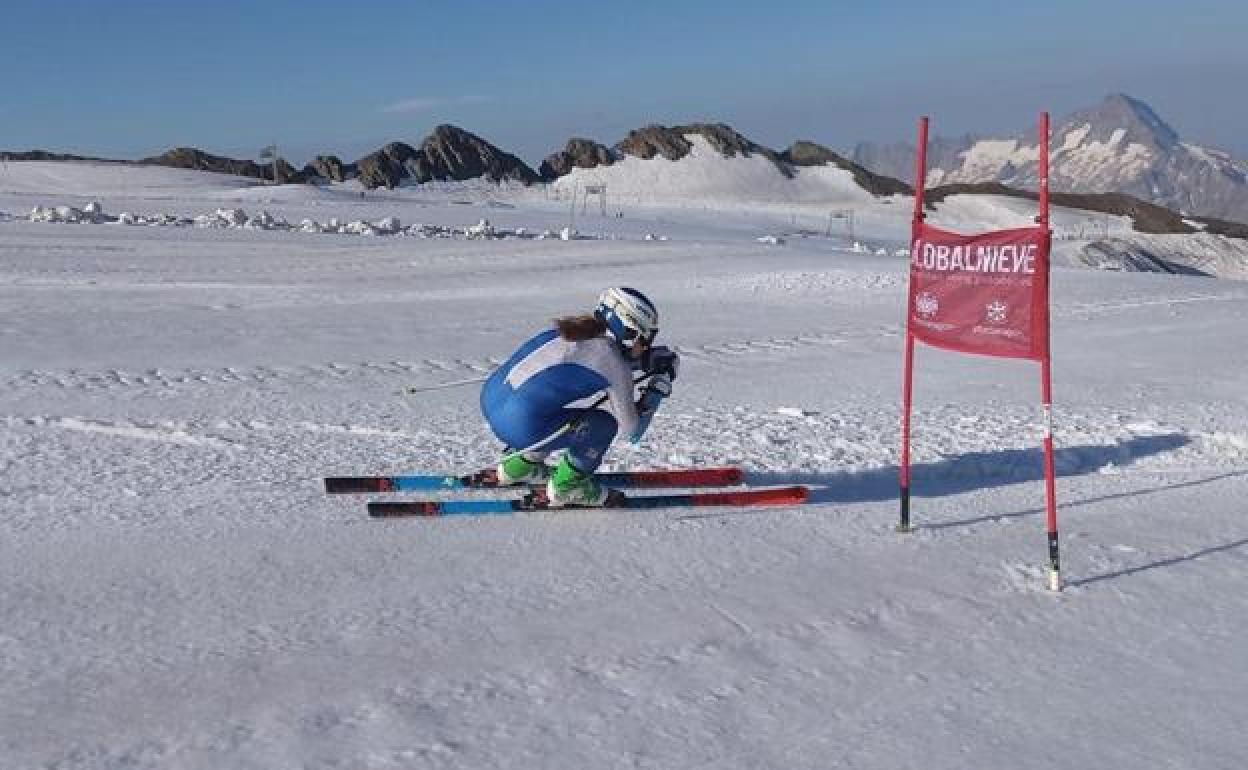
x=991, y=291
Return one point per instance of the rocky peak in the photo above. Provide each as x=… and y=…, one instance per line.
x=448, y=154
x=453, y=153
x=198, y=160
x=1119, y=145
x=1119, y=112
x=327, y=167
x=672, y=143
x=577, y=153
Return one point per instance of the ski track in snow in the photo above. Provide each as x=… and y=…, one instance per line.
x=842, y=456
x=114, y=379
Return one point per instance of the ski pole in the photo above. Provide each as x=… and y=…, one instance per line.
x=442, y=385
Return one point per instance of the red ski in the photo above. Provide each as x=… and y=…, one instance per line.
x=536, y=500
x=488, y=479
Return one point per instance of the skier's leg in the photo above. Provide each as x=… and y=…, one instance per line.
x=591, y=435
x=513, y=423
x=572, y=481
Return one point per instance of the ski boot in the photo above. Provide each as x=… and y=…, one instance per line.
x=570, y=485
x=522, y=468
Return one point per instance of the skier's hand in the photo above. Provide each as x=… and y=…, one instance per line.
x=662, y=360
x=659, y=388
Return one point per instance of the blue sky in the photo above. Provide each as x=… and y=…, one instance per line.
x=128, y=78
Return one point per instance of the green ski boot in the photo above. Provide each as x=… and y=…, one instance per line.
x=570, y=485
x=519, y=468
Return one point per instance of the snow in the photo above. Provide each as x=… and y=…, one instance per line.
x=1205, y=155
x=1200, y=253
x=1075, y=137
x=178, y=591
x=707, y=176
x=1105, y=160
x=1075, y=160
x=111, y=180
x=984, y=160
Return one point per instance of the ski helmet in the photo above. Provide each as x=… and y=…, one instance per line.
x=630, y=317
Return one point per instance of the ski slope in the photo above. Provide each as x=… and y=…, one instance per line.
x=177, y=591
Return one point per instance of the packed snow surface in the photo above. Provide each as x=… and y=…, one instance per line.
x=176, y=591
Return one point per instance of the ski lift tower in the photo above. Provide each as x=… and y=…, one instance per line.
x=270, y=152
x=595, y=189
x=847, y=215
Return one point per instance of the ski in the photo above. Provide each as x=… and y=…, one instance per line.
x=488, y=479
x=536, y=500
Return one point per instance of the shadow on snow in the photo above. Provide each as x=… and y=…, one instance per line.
x=957, y=474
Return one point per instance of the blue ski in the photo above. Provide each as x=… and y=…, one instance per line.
x=536, y=501
x=488, y=479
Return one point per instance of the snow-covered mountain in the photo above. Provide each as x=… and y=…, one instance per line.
x=1120, y=145
x=711, y=162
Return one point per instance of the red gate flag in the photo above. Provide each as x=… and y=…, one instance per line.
x=986, y=294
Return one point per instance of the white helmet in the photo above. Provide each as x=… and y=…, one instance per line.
x=630, y=317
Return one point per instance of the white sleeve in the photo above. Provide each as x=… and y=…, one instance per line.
x=620, y=398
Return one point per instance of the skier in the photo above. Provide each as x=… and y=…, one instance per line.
x=530, y=402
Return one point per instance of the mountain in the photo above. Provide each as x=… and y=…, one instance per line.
x=804, y=153
x=198, y=160
x=449, y=153
x=672, y=143
x=712, y=161
x=577, y=153
x=1120, y=145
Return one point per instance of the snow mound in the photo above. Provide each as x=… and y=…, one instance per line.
x=91, y=214
x=706, y=176
x=238, y=219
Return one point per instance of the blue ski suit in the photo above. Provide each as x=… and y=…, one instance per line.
x=547, y=383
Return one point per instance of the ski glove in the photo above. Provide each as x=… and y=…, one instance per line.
x=659, y=388
x=661, y=360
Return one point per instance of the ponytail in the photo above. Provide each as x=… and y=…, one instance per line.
x=579, y=328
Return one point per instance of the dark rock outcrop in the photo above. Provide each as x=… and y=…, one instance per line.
x=653, y=140
x=578, y=153
x=328, y=167
x=183, y=157
x=45, y=155
x=672, y=143
x=1148, y=217
x=198, y=160
x=804, y=153
x=451, y=153
x=1223, y=227
x=386, y=167
x=448, y=154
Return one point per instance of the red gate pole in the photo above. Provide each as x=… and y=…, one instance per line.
x=1050, y=484
x=920, y=174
